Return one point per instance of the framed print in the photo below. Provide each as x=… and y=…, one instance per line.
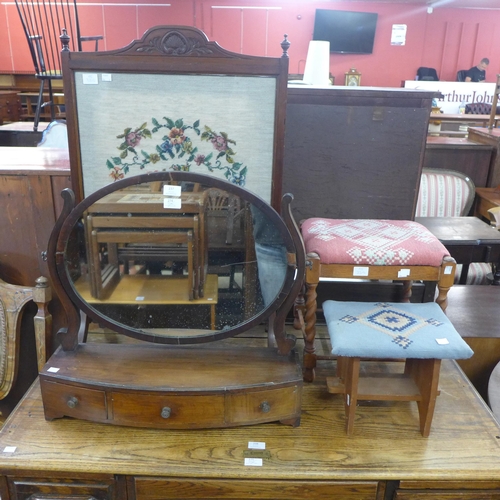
x=173, y=101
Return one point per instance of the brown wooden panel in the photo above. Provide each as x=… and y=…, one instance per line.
x=470, y=158
x=354, y=155
x=19, y=264
x=446, y=495
x=64, y=489
x=163, y=489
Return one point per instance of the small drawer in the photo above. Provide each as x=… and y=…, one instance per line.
x=169, y=411
x=61, y=400
x=265, y=405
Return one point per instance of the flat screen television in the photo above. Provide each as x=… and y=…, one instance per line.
x=347, y=32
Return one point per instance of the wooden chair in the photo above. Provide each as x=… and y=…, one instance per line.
x=43, y=23
x=13, y=299
x=448, y=193
x=367, y=249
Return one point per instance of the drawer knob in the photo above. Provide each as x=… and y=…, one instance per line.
x=165, y=412
x=72, y=402
x=265, y=407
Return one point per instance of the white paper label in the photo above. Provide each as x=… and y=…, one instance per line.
x=256, y=445
x=10, y=449
x=53, y=369
x=448, y=269
x=172, y=203
x=442, y=341
x=253, y=462
x=403, y=273
x=90, y=79
x=139, y=298
x=171, y=190
x=360, y=271
x=106, y=77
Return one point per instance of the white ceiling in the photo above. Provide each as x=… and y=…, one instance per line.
x=463, y=4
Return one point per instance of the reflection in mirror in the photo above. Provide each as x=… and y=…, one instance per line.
x=163, y=256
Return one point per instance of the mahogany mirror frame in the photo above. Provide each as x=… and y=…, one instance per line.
x=75, y=305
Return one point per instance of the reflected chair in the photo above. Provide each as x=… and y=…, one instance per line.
x=13, y=299
x=461, y=74
x=367, y=249
x=447, y=193
x=43, y=23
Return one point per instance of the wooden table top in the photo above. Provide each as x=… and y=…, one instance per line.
x=29, y=160
x=463, y=444
x=461, y=230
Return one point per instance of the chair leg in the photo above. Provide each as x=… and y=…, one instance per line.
x=310, y=308
x=39, y=105
x=445, y=282
x=310, y=332
x=51, y=102
x=425, y=373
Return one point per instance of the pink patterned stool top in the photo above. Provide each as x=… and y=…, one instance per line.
x=372, y=242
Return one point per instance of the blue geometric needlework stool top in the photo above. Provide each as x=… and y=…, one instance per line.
x=392, y=330
x=420, y=334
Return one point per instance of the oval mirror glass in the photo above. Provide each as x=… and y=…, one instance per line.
x=176, y=258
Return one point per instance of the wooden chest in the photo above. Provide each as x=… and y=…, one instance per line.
x=10, y=106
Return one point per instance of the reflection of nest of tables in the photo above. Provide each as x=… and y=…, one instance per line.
x=128, y=225
x=142, y=289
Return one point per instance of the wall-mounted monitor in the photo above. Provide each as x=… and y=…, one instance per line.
x=347, y=32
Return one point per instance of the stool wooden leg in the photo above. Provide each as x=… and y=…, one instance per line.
x=425, y=373
x=351, y=374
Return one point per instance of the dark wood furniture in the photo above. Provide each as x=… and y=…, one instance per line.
x=468, y=239
x=168, y=382
x=356, y=146
x=474, y=312
x=10, y=106
x=385, y=459
x=461, y=154
x=486, y=198
x=492, y=138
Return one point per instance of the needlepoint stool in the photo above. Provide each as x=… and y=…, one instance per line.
x=421, y=334
x=367, y=249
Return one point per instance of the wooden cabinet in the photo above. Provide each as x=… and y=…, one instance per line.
x=31, y=180
x=385, y=459
x=10, y=106
x=241, y=386
x=461, y=154
x=354, y=152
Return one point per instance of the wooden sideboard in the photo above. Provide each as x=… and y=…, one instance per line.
x=492, y=138
x=31, y=180
x=461, y=154
x=386, y=458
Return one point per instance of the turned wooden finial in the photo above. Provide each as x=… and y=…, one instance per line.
x=65, y=38
x=285, y=45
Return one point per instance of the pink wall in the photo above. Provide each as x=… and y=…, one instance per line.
x=449, y=39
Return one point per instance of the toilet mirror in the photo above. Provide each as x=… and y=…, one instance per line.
x=175, y=257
